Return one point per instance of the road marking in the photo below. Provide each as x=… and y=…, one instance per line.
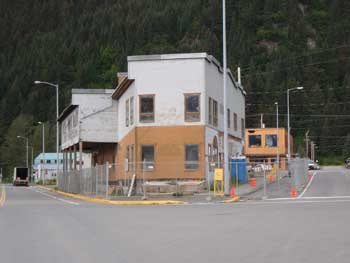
x=54, y=197
x=3, y=196
x=307, y=186
x=296, y=201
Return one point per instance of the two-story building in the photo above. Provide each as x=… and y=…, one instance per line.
x=169, y=113
x=264, y=144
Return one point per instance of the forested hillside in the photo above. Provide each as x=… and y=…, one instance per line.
x=279, y=44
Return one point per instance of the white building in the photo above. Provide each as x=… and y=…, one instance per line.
x=169, y=109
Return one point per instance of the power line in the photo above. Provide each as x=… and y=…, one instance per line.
x=300, y=56
x=298, y=66
x=302, y=91
x=302, y=115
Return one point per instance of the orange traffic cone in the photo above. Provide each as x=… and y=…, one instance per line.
x=293, y=193
x=253, y=182
x=270, y=179
x=232, y=193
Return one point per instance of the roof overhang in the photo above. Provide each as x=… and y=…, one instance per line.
x=66, y=112
x=122, y=87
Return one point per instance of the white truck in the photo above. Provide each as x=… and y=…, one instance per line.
x=21, y=176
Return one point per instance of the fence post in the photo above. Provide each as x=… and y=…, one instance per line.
x=143, y=178
x=107, y=178
x=264, y=197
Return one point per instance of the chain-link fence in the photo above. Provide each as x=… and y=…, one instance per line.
x=202, y=180
x=298, y=169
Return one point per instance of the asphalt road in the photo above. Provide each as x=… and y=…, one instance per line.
x=43, y=227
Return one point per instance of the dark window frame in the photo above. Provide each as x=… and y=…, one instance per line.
x=273, y=145
x=146, y=114
x=145, y=163
x=189, y=114
x=191, y=165
x=250, y=145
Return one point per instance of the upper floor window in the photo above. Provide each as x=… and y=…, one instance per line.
x=49, y=161
x=254, y=140
x=228, y=118
x=271, y=140
x=215, y=113
x=127, y=113
x=242, y=127
x=131, y=111
x=147, y=108
x=235, y=120
x=192, y=107
x=210, y=109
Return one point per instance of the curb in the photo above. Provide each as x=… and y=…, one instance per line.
x=2, y=196
x=114, y=202
x=232, y=200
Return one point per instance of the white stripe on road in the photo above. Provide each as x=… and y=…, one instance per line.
x=54, y=197
x=307, y=186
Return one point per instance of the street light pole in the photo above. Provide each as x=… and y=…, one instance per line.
x=226, y=159
x=43, y=152
x=57, y=123
x=288, y=118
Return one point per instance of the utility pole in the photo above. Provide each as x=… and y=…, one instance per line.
x=312, y=150
x=226, y=159
x=288, y=120
x=307, y=143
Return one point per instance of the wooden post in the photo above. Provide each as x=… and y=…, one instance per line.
x=75, y=157
x=70, y=158
x=80, y=155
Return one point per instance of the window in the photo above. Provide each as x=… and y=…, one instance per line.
x=192, y=107
x=41, y=161
x=215, y=113
x=271, y=140
x=254, y=140
x=132, y=111
x=210, y=109
x=192, y=157
x=147, y=156
x=48, y=161
x=127, y=113
x=235, y=124
x=243, y=127
x=147, y=108
x=228, y=118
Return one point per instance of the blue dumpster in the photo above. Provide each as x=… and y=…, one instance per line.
x=239, y=165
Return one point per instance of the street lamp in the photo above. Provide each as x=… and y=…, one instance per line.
x=43, y=151
x=289, y=90
x=57, y=128
x=226, y=174
x=27, y=146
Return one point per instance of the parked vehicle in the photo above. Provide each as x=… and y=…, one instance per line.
x=313, y=165
x=21, y=176
x=347, y=163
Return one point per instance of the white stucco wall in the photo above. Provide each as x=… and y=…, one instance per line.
x=168, y=80
x=123, y=130
x=100, y=126
x=97, y=118
x=235, y=99
x=70, y=129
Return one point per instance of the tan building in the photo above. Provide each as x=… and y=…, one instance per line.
x=167, y=110
x=261, y=145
